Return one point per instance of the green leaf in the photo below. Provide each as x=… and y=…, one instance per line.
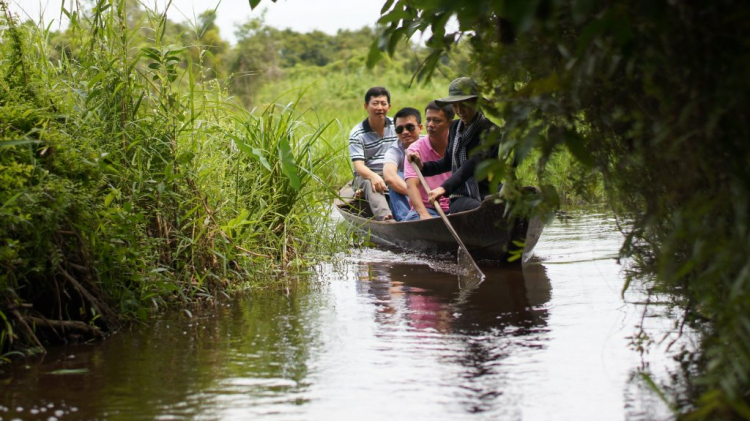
x=394, y=40
x=150, y=52
x=110, y=197
x=386, y=6
x=429, y=65
x=414, y=27
x=288, y=166
x=175, y=49
x=394, y=15
x=374, y=55
x=8, y=202
x=254, y=153
x=64, y=372
x=185, y=157
x=515, y=256
x=577, y=146
x=96, y=79
x=7, y=144
x=438, y=26
x=254, y=4
x=238, y=221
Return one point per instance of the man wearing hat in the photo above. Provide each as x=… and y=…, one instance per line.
x=465, y=134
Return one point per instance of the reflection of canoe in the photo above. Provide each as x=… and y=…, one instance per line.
x=485, y=231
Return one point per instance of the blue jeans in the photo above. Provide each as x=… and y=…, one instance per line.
x=413, y=215
x=399, y=203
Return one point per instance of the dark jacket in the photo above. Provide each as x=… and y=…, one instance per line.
x=468, y=168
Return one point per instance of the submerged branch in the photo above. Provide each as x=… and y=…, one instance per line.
x=66, y=325
x=29, y=331
x=102, y=309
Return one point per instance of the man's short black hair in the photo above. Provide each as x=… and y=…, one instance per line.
x=377, y=91
x=406, y=112
x=447, y=110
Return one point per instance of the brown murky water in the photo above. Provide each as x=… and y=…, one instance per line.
x=382, y=335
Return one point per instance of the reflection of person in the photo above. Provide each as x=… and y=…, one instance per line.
x=428, y=312
x=461, y=158
x=430, y=148
x=426, y=299
x=408, y=122
x=368, y=142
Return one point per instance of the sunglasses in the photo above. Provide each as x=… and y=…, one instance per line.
x=409, y=128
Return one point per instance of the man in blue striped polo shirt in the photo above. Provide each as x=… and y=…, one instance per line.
x=368, y=142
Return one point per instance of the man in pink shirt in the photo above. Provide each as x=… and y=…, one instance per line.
x=430, y=148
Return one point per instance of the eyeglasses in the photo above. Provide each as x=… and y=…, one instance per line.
x=409, y=128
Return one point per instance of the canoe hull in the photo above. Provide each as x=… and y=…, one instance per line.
x=485, y=231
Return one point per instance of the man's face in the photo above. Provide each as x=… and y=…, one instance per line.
x=436, y=123
x=407, y=136
x=465, y=110
x=377, y=107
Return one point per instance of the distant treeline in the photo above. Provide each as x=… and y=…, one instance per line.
x=262, y=53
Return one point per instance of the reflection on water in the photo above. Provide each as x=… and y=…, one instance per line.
x=473, y=330
x=381, y=335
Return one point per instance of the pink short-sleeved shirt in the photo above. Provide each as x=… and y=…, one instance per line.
x=427, y=154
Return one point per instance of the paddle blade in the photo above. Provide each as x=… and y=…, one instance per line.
x=470, y=272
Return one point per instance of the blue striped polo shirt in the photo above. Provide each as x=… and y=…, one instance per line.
x=366, y=145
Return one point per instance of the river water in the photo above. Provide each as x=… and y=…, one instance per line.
x=379, y=335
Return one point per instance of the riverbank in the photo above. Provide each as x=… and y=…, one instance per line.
x=130, y=183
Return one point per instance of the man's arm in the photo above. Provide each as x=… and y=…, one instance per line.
x=392, y=179
x=415, y=198
x=440, y=166
x=377, y=181
x=468, y=168
x=357, y=155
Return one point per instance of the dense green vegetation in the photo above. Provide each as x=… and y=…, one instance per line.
x=654, y=97
x=132, y=179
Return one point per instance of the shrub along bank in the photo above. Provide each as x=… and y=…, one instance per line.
x=128, y=182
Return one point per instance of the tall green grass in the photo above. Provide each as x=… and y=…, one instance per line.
x=131, y=181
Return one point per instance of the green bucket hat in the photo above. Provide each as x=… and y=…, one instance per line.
x=460, y=89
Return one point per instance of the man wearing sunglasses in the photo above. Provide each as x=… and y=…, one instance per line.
x=408, y=123
x=368, y=142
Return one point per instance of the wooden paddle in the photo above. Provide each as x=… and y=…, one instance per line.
x=473, y=269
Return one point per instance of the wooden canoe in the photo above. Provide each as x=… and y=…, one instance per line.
x=485, y=231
